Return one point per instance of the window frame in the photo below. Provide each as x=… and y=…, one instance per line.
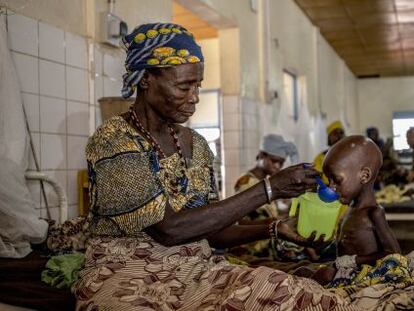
x=295, y=94
x=400, y=115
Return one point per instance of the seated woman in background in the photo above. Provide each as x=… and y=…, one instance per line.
x=274, y=151
x=155, y=211
x=283, y=255
x=335, y=132
x=391, y=172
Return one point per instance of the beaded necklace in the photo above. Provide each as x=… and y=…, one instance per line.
x=181, y=180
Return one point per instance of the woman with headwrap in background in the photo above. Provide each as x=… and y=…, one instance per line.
x=335, y=132
x=155, y=210
x=273, y=153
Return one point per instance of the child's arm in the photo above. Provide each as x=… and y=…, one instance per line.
x=389, y=243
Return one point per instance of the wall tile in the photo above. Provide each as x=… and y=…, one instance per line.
x=52, y=115
x=76, y=152
x=78, y=118
x=231, y=122
x=27, y=71
x=31, y=106
x=54, y=212
x=34, y=189
x=231, y=105
x=112, y=87
x=51, y=43
x=249, y=106
x=76, y=50
x=77, y=85
x=113, y=66
x=250, y=121
x=98, y=88
x=72, y=187
x=232, y=157
x=36, y=144
x=52, y=79
x=98, y=58
x=73, y=211
x=52, y=198
x=53, y=149
x=23, y=34
x=231, y=139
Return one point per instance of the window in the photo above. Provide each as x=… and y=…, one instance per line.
x=290, y=85
x=206, y=120
x=401, y=122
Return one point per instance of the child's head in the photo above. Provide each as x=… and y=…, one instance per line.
x=351, y=165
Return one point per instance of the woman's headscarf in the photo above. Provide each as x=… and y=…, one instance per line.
x=333, y=126
x=156, y=45
x=275, y=145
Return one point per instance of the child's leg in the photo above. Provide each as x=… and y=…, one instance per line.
x=324, y=275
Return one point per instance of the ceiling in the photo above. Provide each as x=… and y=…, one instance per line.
x=197, y=26
x=374, y=37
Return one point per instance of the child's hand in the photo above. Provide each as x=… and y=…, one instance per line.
x=285, y=230
x=318, y=244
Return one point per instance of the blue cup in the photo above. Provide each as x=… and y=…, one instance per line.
x=325, y=193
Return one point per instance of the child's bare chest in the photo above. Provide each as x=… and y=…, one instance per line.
x=357, y=235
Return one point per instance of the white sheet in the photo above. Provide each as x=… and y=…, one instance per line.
x=19, y=223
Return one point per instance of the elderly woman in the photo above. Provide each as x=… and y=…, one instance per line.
x=155, y=211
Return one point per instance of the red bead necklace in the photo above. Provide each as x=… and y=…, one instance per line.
x=157, y=148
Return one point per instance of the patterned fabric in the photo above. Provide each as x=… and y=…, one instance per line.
x=70, y=236
x=392, y=268
x=140, y=274
x=387, y=286
x=156, y=45
x=120, y=159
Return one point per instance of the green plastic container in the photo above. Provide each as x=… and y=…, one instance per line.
x=315, y=215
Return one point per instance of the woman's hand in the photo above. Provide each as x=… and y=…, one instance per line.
x=293, y=181
x=285, y=231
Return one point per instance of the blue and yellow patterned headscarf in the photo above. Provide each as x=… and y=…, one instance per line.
x=156, y=45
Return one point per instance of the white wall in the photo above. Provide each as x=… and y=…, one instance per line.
x=379, y=98
x=75, y=15
x=52, y=67
x=327, y=87
x=67, y=15
x=211, y=53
